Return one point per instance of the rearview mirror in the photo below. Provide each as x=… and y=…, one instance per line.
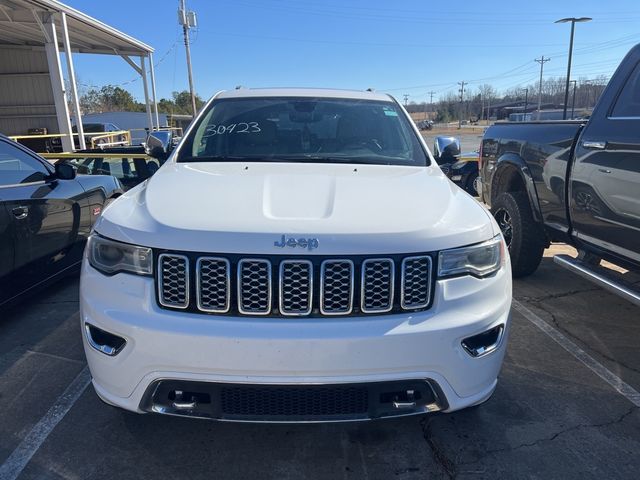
x=159, y=144
x=445, y=149
x=64, y=171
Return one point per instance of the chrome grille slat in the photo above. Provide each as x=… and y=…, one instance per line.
x=296, y=287
x=254, y=286
x=336, y=287
x=415, y=290
x=213, y=284
x=378, y=277
x=173, y=280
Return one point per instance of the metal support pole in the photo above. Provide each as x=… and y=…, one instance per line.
x=72, y=82
x=153, y=90
x=526, y=103
x=57, y=85
x=143, y=74
x=573, y=102
x=566, y=90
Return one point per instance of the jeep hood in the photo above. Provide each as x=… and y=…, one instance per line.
x=247, y=207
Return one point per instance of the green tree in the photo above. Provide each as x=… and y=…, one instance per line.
x=179, y=103
x=109, y=98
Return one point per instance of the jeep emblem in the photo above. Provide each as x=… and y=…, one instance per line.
x=308, y=243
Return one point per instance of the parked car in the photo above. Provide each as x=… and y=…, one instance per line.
x=572, y=181
x=464, y=172
x=425, y=124
x=299, y=257
x=130, y=165
x=46, y=214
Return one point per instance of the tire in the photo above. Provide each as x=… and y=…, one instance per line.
x=524, y=236
x=470, y=184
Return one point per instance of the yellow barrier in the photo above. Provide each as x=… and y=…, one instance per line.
x=110, y=136
x=71, y=155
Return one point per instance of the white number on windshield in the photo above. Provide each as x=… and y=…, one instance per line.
x=242, y=127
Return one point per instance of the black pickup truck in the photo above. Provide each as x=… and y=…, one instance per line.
x=572, y=181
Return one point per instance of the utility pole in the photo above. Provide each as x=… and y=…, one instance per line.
x=541, y=61
x=188, y=21
x=431, y=94
x=406, y=99
x=573, y=103
x=462, y=84
x=526, y=104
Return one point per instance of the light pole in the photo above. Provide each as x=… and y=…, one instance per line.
x=573, y=102
x=573, y=21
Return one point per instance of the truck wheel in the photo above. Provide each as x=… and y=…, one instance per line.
x=470, y=184
x=524, y=236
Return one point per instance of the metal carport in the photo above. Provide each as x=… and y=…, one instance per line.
x=33, y=92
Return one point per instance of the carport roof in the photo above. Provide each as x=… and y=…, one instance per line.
x=20, y=25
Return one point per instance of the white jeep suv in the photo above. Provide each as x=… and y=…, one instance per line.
x=299, y=257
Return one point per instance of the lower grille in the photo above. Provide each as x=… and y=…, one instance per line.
x=294, y=401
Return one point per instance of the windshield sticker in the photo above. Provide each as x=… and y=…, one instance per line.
x=242, y=127
x=389, y=112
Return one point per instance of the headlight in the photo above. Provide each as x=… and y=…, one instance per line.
x=111, y=257
x=478, y=260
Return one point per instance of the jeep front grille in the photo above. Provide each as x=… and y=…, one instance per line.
x=254, y=286
x=377, y=285
x=213, y=284
x=299, y=286
x=415, y=291
x=336, y=287
x=296, y=287
x=173, y=288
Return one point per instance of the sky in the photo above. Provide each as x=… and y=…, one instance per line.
x=401, y=47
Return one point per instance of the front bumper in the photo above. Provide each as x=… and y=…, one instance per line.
x=169, y=345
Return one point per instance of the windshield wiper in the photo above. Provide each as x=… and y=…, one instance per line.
x=217, y=158
x=329, y=159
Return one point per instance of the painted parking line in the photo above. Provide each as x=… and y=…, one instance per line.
x=587, y=360
x=20, y=457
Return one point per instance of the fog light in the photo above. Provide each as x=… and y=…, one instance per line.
x=484, y=343
x=104, y=342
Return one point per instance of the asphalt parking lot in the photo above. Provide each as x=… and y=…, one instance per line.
x=566, y=407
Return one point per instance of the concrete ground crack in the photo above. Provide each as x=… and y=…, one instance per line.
x=448, y=465
x=553, y=296
x=555, y=322
x=553, y=437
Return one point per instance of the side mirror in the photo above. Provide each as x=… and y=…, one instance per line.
x=64, y=171
x=159, y=144
x=446, y=149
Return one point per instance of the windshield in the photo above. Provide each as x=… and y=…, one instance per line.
x=306, y=129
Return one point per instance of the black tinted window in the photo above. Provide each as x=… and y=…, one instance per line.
x=628, y=103
x=304, y=130
x=18, y=167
